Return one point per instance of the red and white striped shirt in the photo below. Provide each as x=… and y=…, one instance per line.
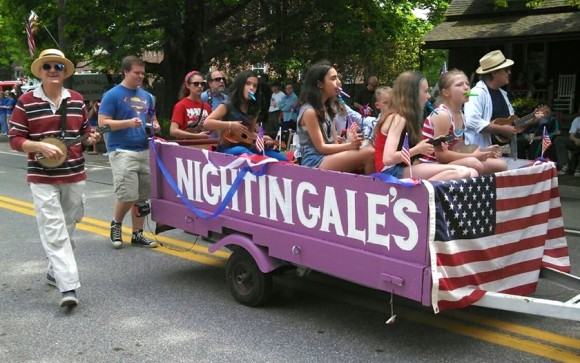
x=34, y=119
x=428, y=132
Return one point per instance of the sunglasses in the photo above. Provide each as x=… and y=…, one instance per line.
x=197, y=84
x=219, y=79
x=59, y=67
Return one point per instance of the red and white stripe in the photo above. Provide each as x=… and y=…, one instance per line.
x=529, y=235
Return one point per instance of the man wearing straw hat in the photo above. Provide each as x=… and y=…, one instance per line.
x=52, y=111
x=491, y=101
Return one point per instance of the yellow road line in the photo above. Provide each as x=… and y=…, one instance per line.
x=200, y=254
x=518, y=329
x=510, y=341
x=191, y=251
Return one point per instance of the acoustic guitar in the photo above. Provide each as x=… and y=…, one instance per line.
x=519, y=123
x=63, y=146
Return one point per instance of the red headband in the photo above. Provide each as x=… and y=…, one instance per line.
x=188, y=76
x=185, y=81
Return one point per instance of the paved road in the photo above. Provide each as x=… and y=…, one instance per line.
x=140, y=305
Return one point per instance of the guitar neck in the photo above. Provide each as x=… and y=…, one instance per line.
x=523, y=120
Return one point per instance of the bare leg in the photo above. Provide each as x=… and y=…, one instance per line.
x=439, y=172
x=491, y=166
x=121, y=209
x=352, y=160
x=470, y=162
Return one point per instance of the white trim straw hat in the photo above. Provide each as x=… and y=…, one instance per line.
x=493, y=61
x=52, y=55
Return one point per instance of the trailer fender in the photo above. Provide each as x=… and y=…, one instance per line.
x=259, y=254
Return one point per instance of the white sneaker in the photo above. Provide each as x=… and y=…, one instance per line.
x=564, y=170
x=577, y=173
x=69, y=298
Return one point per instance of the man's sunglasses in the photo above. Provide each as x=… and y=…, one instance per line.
x=57, y=67
x=219, y=79
x=197, y=84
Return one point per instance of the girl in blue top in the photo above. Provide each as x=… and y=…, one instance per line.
x=319, y=145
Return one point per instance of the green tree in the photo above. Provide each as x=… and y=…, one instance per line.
x=364, y=37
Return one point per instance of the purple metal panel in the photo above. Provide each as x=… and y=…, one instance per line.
x=350, y=226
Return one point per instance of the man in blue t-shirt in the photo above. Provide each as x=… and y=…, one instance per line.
x=129, y=111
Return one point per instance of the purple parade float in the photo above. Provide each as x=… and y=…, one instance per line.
x=482, y=241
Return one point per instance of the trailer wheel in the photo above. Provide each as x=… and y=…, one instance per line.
x=246, y=282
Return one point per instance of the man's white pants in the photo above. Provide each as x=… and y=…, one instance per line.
x=58, y=208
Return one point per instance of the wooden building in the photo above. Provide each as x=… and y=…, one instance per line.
x=544, y=43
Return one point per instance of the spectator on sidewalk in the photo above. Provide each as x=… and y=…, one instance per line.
x=365, y=97
x=289, y=108
x=274, y=113
x=568, y=144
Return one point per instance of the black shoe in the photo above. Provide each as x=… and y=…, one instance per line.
x=138, y=239
x=116, y=235
x=69, y=298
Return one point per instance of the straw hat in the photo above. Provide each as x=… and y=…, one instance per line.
x=52, y=55
x=493, y=61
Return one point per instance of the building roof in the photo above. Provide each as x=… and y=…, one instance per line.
x=470, y=7
x=464, y=27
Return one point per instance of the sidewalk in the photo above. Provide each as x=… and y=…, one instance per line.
x=569, y=186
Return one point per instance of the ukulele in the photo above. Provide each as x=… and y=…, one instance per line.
x=438, y=141
x=247, y=139
x=63, y=146
x=519, y=123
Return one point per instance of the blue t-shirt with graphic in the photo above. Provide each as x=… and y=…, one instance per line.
x=122, y=103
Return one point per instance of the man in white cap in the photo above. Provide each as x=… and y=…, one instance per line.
x=56, y=175
x=491, y=101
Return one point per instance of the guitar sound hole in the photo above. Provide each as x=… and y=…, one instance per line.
x=244, y=136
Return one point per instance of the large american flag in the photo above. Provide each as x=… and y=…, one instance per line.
x=495, y=233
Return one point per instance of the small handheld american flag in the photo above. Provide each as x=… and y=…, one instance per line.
x=405, y=154
x=353, y=129
x=260, y=139
x=278, y=138
x=546, y=142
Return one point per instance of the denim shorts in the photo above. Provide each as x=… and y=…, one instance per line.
x=395, y=170
x=310, y=157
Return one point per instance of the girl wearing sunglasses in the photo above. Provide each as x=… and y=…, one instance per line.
x=236, y=120
x=189, y=114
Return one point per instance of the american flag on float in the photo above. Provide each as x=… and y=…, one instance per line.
x=277, y=146
x=405, y=153
x=495, y=233
x=546, y=142
x=353, y=128
x=260, y=139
